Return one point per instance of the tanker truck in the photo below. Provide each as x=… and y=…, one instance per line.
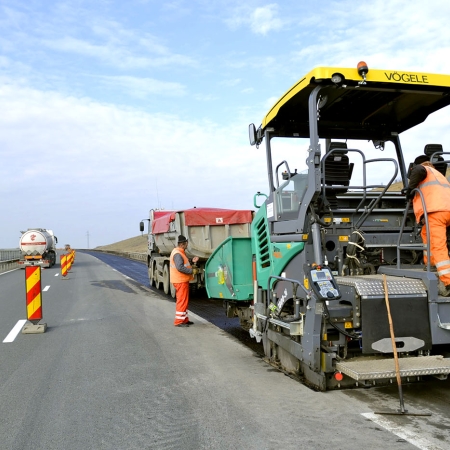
x=38, y=247
x=205, y=229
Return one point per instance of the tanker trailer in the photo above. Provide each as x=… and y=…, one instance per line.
x=205, y=229
x=38, y=247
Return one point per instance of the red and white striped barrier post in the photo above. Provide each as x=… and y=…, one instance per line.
x=63, y=259
x=34, y=300
x=69, y=262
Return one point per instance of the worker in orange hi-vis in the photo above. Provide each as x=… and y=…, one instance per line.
x=435, y=189
x=70, y=252
x=181, y=272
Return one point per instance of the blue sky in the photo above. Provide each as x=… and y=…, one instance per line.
x=110, y=108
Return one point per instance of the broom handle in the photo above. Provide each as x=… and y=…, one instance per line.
x=394, y=345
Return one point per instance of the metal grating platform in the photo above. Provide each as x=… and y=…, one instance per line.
x=372, y=285
x=373, y=369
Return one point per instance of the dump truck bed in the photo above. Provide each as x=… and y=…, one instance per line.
x=205, y=228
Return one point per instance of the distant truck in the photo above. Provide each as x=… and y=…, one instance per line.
x=205, y=229
x=38, y=247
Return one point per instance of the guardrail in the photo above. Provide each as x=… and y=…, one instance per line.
x=8, y=259
x=9, y=254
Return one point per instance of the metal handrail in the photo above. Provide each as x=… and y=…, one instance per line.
x=367, y=210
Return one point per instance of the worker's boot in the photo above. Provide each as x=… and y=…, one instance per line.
x=443, y=290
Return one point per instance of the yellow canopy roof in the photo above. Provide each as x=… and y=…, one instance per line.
x=388, y=102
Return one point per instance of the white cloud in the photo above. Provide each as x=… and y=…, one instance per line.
x=83, y=159
x=115, y=55
x=231, y=82
x=261, y=20
x=265, y=19
x=386, y=34
x=206, y=97
x=143, y=87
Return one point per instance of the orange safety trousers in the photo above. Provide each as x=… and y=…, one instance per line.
x=438, y=223
x=181, y=307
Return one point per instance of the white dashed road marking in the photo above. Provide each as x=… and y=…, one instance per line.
x=15, y=331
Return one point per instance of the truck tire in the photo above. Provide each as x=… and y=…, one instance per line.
x=158, y=277
x=166, y=279
x=151, y=274
x=173, y=291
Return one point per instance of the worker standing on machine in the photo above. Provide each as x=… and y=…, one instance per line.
x=435, y=189
x=181, y=272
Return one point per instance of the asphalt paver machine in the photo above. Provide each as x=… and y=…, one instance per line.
x=324, y=239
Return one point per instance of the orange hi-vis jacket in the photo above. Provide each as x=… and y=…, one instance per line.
x=436, y=194
x=175, y=275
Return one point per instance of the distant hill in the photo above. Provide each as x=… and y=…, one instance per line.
x=398, y=186
x=136, y=244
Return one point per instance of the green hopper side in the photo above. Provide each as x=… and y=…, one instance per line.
x=228, y=271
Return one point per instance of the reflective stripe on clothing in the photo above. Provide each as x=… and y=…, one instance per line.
x=181, y=307
x=423, y=233
x=443, y=263
x=439, y=257
x=436, y=194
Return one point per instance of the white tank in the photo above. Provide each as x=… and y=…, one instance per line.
x=36, y=242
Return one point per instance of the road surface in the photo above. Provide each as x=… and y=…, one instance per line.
x=111, y=372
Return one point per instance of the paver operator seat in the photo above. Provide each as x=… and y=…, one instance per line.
x=433, y=148
x=337, y=168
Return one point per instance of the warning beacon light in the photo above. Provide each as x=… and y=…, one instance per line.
x=362, y=70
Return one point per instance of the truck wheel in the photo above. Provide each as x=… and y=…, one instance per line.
x=166, y=279
x=151, y=274
x=173, y=291
x=51, y=259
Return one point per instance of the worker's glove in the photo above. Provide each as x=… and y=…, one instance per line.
x=407, y=192
x=194, y=271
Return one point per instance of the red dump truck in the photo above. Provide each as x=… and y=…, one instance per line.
x=205, y=228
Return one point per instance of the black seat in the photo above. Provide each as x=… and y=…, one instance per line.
x=338, y=170
x=433, y=148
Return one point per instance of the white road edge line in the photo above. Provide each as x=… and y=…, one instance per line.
x=405, y=433
x=46, y=289
x=15, y=331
